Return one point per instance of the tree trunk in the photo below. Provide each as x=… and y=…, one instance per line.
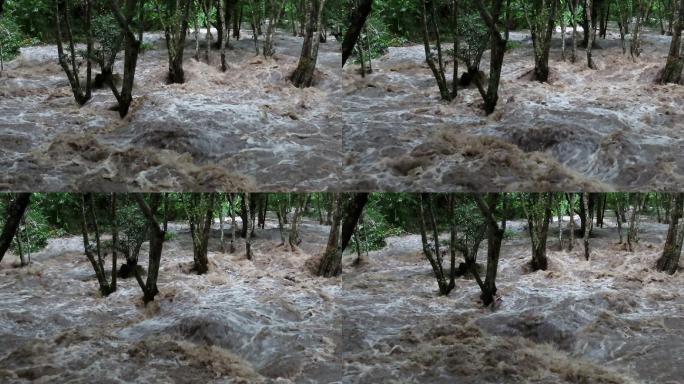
x=591, y=33
x=437, y=67
x=69, y=63
x=633, y=233
x=303, y=75
x=495, y=233
x=277, y=9
x=131, y=51
x=498, y=51
x=538, y=217
x=247, y=227
x=587, y=229
x=356, y=22
x=542, y=23
x=231, y=201
x=294, y=239
x=618, y=216
x=115, y=241
x=13, y=214
x=201, y=214
x=669, y=261
x=175, y=32
x=331, y=263
x=352, y=213
x=675, y=60
x=431, y=252
x=573, y=5
x=571, y=212
x=157, y=235
x=221, y=221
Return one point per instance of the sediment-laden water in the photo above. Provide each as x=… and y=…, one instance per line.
x=612, y=319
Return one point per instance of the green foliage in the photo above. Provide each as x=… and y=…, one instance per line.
x=12, y=38
x=34, y=231
x=108, y=35
x=374, y=230
x=512, y=44
x=33, y=18
x=473, y=36
x=132, y=227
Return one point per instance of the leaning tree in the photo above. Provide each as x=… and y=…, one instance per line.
x=13, y=214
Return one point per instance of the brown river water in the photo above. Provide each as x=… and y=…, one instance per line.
x=249, y=128
x=612, y=319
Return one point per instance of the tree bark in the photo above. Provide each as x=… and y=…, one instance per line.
x=542, y=20
x=591, y=33
x=303, y=76
x=669, y=260
x=331, y=263
x=13, y=214
x=538, y=211
x=356, y=23
x=157, y=234
x=588, y=224
x=352, y=213
x=177, y=14
x=431, y=251
x=201, y=214
x=497, y=53
x=247, y=227
x=495, y=233
x=633, y=233
x=233, y=230
x=132, y=46
x=675, y=60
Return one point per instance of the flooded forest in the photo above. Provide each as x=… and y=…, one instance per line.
x=342, y=287
x=342, y=191
x=437, y=96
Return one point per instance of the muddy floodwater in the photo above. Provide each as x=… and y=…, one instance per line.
x=249, y=128
x=608, y=128
x=612, y=319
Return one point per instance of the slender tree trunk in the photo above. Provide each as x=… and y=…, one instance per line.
x=633, y=233
x=675, y=60
x=618, y=217
x=157, y=234
x=571, y=212
x=542, y=23
x=436, y=64
x=495, y=233
x=248, y=228
x=669, y=261
x=132, y=46
x=13, y=214
x=497, y=53
x=591, y=33
x=538, y=217
x=573, y=4
x=115, y=240
x=587, y=228
x=560, y=222
x=277, y=9
x=431, y=251
x=331, y=263
x=221, y=221
x=303, y=76
x=233, y=225
x=95, y=259
x=352, y=213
